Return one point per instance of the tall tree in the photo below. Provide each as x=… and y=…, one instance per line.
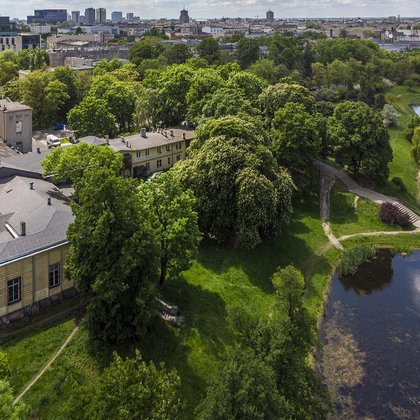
x=134, y=389
x=247, y=52
x=208, y=48
x=360, y=139
x=174, y=222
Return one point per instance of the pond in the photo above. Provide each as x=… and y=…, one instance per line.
x=416, y=109
x=371, y=339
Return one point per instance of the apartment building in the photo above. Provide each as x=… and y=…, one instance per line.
x=149, y=152
x=34, y=217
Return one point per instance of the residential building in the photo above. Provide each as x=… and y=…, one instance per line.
x=116, y=16
x=184, y=18
x=75, y=16
x=130, y=16
x=34, y=217
x=52, y=16
x=100, y=15
x=16, y=125
x=90, y=16
x=149, y=152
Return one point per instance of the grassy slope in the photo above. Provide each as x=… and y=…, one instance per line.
x=402, y=165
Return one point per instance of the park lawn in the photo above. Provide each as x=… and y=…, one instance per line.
x=402, y=165
x=349, y=216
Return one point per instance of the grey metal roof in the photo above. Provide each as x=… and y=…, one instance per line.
x=93, y=140
x=28, y=162
x=46, y=225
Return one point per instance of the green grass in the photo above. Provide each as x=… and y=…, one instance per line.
x=401, y=98
x=348, y=216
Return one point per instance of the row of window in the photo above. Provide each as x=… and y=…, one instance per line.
x=14, y=286
x=7, y=41
x=139, y=153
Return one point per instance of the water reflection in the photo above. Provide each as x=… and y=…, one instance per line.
x=371, y=276
x=372, y=340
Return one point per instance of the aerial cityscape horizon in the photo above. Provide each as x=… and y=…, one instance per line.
x=226, y=8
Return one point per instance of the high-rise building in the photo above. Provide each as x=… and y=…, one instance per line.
x=270, y=16
x=75, y=16
x=101, y=15
x=130, y=16
x=184, y=18
x=52, y=16
x=90, y=16
x=116, y=16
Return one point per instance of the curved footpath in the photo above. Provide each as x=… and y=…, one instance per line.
x=328, y=176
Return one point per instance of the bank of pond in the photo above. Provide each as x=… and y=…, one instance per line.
x=371, y=340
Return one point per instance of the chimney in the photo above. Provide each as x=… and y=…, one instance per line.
x=31, y=185
x=38, y=150
x=183, y=136
x=22, y=229
x=107, y=139
x=123, y=139
x=143, y=132
x=172, y=133
x=127, y=144
x=49, y=201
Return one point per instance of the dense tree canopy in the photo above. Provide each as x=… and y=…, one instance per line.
x=360, y=139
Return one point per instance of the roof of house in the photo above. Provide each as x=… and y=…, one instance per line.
x=93, y=140
x=27, y=162
x=152, y=139
x=46, y=224
x=7, y=105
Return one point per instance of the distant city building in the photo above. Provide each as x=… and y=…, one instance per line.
x=51, y=16
x=10, y=39
x=89, y=16
x=184, y=18
x=270, y=16
x=116, y=16
x=130, y=16
x=101, y=15
x=75, y=16
x=40, y=29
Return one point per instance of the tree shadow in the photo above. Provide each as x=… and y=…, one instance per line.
x=341, y=209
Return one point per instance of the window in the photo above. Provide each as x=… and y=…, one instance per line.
x=180, y=146
x=169, y=161
x=138, y=154
x=13, y=291
x=168, y=147
x=147, y=152
x=159, y=163
x=177, y=146
x=178, y=157
x=147, y=165
x=18, y=126
x=54, y=275
x=159, y=150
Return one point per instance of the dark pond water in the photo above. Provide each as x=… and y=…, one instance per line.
x=371, y=336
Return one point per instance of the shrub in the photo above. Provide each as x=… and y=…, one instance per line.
x=399, y=183
x=392, y=215
x=353, y=258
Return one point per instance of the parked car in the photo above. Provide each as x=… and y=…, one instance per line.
x=53, y=141
x=58, y=127
x=73, y=140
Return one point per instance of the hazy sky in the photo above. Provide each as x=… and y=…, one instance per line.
x=219, y=8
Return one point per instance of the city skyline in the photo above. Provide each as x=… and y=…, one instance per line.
x=225, y=8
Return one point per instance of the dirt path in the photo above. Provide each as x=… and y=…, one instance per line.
x=49, y=363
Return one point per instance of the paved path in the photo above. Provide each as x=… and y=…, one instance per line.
x=328, y=176
x=44, y=369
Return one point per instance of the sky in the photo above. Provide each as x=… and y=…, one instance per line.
x=148, y=9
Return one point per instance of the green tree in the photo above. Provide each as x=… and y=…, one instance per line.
x=174, y=222
x=8, y=71
x=134, y=389
x=247, y=52
x=389, y=115
x=360, y=139
x=9, y=410
x=208, y=48
x=243, y=387
x=92, y=117
x=146, y=48
x=276, y=96
x=249, y=84
x=66, y=75
x=415, y=150
x=113, y=257
x=242, y=195
x=267, y=70
x=177, y=54
x=107, y=66
x=296, y=143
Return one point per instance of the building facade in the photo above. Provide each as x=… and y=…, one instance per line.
x=184, y=17
x=90, y=16
x=16, y=125
x=34, y=217
x=100, y=15
x=52, y=16
x=75, y=16
x=116, y=16
x=149, y=152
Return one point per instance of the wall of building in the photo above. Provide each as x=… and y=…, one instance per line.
x=34, y=274
x=18, y=135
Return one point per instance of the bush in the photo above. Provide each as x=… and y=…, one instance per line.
x=392, y=215
x=399, y=183
x=353, y=258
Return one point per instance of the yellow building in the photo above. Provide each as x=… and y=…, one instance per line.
x=149, y=152
x=34, y=217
